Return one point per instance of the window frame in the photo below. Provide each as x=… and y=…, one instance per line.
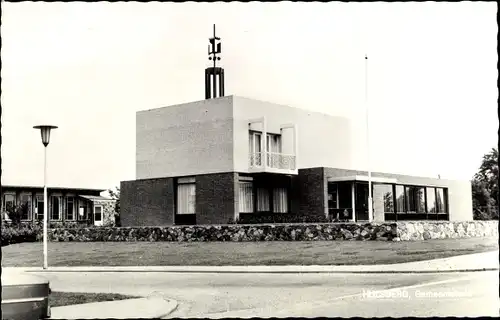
x=4, y=201
x=396, y=204
x=100, y=206
x=39, y=198
x=51, y=207
x=184, y=181
x=67, y=206
x=444, y=199
x=30, y=205
x=274, y=202
x=247, y=181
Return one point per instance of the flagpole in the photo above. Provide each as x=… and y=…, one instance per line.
x=370, y=202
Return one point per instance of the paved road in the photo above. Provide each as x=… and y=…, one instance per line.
x=307, y=295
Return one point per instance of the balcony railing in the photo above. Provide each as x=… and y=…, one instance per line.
x=273, y=160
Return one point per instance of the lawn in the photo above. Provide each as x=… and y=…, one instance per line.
x=240, y=253
x=60, y=299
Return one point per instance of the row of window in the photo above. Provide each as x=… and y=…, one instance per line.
x=186, y=197
x=55, y=207
x=278, y=196
x=411, y=199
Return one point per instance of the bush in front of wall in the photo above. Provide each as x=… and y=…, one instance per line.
x=20, y=233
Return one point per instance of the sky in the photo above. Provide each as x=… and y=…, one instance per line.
x=89, y=67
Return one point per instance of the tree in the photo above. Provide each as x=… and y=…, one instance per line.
x=17, y=212
x=488, y=172
x=485, y=188
x=115, y=194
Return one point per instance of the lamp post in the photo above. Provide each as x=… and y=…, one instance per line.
x=370, y=201
x=45, y=131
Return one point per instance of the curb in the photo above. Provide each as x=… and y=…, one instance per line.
x=171, y=310
x=271, y=271
x=158, y=315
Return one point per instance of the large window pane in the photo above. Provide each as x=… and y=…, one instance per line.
x=246, y=196
x=70, y=208
x=26, y=204
x=56, y=207
x=410, y=200
x=332, y=196
x=280, y=200
x=263, y=200
x=39, y=207
x=431, y=200
x=420, y=199
x=186, y=198
x=345, y=195
x=382, y=198
x=441, y=201
x=8, y=201
x=400, y=199
x=98, y=213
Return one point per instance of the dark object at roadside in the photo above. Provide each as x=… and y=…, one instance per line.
x=24, y=297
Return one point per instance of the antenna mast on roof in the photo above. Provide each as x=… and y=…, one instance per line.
x=214, y=73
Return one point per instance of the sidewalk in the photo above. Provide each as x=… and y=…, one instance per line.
x=464, y=263
x=142, y=308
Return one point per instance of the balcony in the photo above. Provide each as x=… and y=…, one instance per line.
x=272, y=162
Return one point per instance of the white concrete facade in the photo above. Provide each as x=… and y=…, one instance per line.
x=212, y=136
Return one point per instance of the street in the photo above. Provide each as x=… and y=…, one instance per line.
x=217, y=295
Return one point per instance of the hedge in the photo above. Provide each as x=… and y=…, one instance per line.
x=20, y=233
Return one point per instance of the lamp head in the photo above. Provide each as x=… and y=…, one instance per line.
x=45, y=132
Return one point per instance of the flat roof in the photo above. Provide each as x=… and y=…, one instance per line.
x=363, y=178
x=94, y=198
x=50, y=187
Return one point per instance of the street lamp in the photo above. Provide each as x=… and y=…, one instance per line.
x=45, y=131
x=370, y=200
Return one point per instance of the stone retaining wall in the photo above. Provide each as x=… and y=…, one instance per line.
x=424, y=230
x=384, y=231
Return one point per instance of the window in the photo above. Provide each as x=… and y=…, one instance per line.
x=246, y=196
x=333, y=196
x=8, y=201
x=97, y=213
x=82, y=213
x=420, y=199
x=263, y=200
x=382, y=198
x=345, y=195
x=26, y=204
x=186, y=196
x=280, y=200
x=255, y=148
x=410, y=200
x=39, y=207
x=441, y=201
x=70, y=208
x=431, y=200
x=415, y=200
x=400, y=199
x=55, y=208
x=273, y=143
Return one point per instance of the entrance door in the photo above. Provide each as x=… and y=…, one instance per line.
x=98, y=216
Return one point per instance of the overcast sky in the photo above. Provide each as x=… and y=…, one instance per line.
x=88, y=67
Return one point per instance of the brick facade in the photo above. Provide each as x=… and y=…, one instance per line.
x=312, y=187
x=216, y=198
x=152, y=202
x=148, y=202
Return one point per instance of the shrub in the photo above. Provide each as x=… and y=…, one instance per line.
x=20, y=233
